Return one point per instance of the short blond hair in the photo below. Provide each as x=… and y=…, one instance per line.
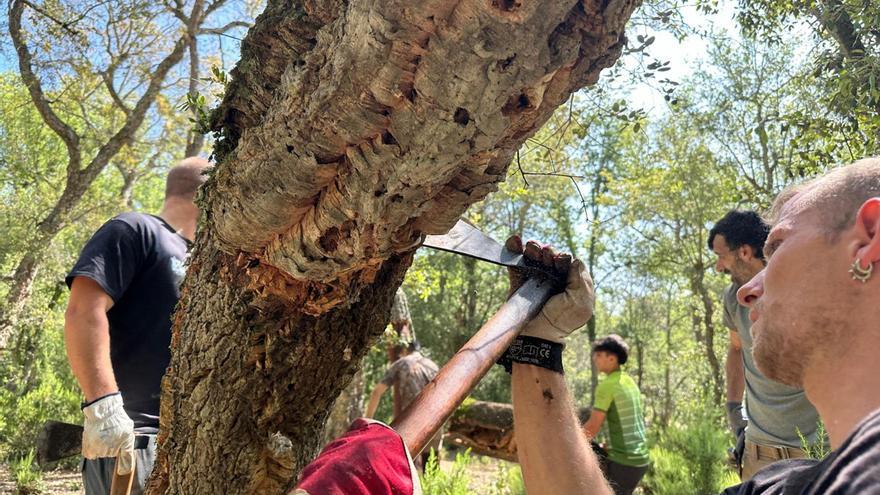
x=837, y=195
x=185, y=178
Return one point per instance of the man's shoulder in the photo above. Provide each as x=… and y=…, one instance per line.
x=728, y=297
x=137, y=220
x=610, y=382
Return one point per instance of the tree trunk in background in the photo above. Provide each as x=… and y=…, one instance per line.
x=80, y=176
x=704, y=320
x=349, y=130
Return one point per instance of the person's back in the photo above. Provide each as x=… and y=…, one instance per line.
x=618, y=395
x=123, y=290
x=410, y=374
x=138, y=260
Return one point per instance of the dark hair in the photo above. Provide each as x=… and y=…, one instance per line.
x=742, y=228
x=615, y=345
x=414, y=346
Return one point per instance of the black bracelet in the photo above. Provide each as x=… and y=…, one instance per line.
x=84, y=404
x=534, y=351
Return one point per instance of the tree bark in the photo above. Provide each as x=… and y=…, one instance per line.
x=705, y=320
x=349, y=131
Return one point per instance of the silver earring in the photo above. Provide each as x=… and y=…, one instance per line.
x=859, y=273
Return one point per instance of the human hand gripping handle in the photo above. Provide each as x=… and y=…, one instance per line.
x=566, y=311
x=109, y=432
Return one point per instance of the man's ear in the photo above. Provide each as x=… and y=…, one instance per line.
x=868, y=232
x=746, y=252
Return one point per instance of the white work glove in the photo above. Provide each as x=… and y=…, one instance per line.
x=565, y=312
x=108, y=431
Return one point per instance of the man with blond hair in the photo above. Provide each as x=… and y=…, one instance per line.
x=117, y=327
x=815, y=311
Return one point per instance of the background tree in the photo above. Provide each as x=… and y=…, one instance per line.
x=111, y=95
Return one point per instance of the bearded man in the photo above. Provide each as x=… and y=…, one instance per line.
x=776, y=415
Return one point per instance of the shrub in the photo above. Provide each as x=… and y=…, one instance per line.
x=28, y=478
x=508, y=482
x=25, y=415
x=690, y=460
x=820, y=449
x=435, y=481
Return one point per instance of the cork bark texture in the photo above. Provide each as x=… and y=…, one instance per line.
x=349, y=130
x=354, y=128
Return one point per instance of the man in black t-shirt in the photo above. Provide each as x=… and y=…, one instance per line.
x=117, y=328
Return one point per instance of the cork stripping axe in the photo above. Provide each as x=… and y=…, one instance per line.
x=467, y=240
x=439, y=399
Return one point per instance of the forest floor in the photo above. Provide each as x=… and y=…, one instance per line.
x=57, y=482
x=482, y=471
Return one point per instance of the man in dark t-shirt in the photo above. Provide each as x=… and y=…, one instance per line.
x=123, y=290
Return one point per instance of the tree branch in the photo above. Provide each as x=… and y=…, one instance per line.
x=227, y=27
x=59, y=127
x=107, y=76
x=64, y=25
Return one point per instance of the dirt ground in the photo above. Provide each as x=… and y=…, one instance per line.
x=483, y=471
x=60, y=482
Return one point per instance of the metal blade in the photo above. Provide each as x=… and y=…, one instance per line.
x=467, y=240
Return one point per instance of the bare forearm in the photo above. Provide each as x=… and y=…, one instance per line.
x=87, y=339
x=554, y=454
x=374, y=400
x=735, y=375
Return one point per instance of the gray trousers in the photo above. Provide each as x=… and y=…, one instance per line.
x=97, y=474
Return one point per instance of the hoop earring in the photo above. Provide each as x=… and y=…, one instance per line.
x=859, y=273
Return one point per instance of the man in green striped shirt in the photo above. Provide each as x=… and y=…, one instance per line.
x=618, y=405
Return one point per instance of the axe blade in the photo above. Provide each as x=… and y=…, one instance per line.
x=467, y=240
x=57, y=441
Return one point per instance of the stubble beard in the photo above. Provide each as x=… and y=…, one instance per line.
x=776, y=356
x=785, y=347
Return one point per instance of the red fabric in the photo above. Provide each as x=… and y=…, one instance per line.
x=368, y=459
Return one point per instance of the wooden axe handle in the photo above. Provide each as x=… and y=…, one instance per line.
x=439, y=399
x=121, y=484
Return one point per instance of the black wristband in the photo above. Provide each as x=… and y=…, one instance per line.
x=534, y=351
x=84, y=404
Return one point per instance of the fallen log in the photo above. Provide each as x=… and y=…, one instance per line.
x=487, y=428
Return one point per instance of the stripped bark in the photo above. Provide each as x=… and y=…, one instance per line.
x=349, y=130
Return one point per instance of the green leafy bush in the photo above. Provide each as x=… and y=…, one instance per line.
x=692, y=459
x=508, y=482
x=24, y=416
x=435, y=481
x=821, y=448
x=28, y=478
